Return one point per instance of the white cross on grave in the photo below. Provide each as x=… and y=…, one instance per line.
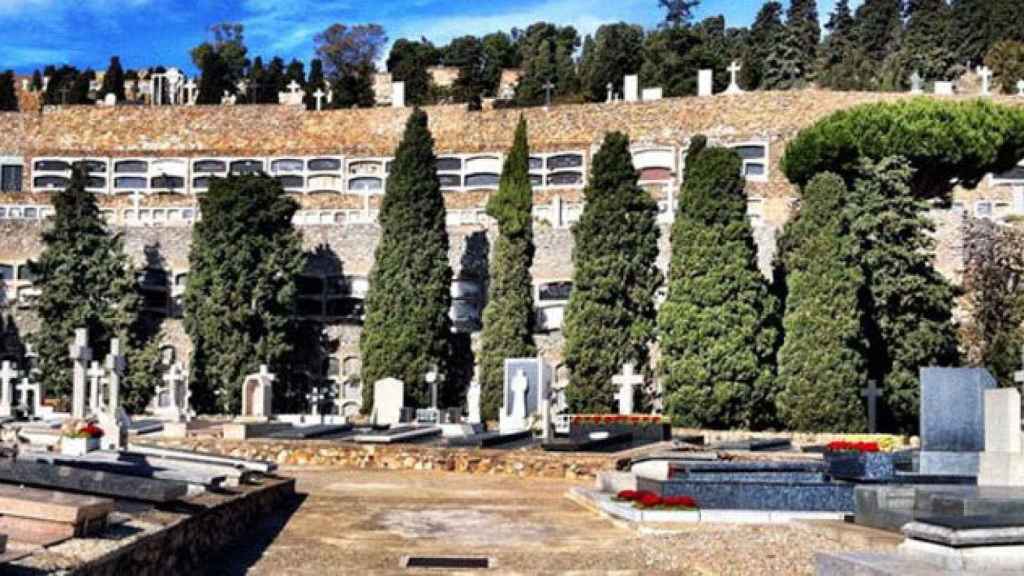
x=986, y=80
x=626, y=383
x=37, y=401
x=95, y=374
x=293, y=87
x=319, y=95
x=8, y=375
x=113, y=419
x=872, y=393
x=80, y=354
x=734, y=86
x=315, y=397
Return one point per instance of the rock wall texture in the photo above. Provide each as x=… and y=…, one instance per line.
x=522, y=463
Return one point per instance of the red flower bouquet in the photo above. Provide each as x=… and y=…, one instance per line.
x=860, y=447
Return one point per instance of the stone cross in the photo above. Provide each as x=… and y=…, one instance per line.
x=734, y=86
x=80, y=354
x=626, y=382
x=872, y=393
x=95, y=374
x=986, y=80
x=915, y=83
x=115, y=367
x=1020, y=88
x=431, y=378
x=315, y=397
x=293, y=87
x=37, y=396
x=113, y=419
x=319, y=95
x=175, y=392
x=548, y=87
x=8, y=375
x=519, y=386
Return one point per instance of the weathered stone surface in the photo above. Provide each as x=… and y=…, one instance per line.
x=51, y=505
x=91, y=482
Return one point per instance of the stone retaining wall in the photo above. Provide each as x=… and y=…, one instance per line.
x=184, y=546
x=527, y=463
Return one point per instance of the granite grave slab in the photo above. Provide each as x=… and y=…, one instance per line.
x=101, y=483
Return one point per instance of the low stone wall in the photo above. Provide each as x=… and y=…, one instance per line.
x=525, y=463
x=185, y=545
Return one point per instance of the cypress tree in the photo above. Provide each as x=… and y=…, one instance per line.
x=8, y=92
x=86, y=281
x=879, y=27
x=764, y=33
x=615, y=51
x=240, y=297
x=610, y=318
x=927, y=44
x=407, y=327
x=718, y=326
x=802, y=23
x=909, y=304
x=316, y=80
x=822, y=360
x=213, y=81
x=509, y=316
x=37, y=81
x=113, y=80
x=839, y=55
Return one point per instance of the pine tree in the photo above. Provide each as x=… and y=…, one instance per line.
x=909, y=304
x=718, y=326
x=927, y=44
x=8, y=92
x=615, y=51
x=240, y=297
x=275, y=82
x=354, y=89
x=784, y=69
x=878, y=31
x=408, y=62
x=509, y=316
x=213, y=79
x=822, y=361
x=764, y=34
x=85, y=281
x=610, y=318
x=839, y=55
x=316, y=81
x=802, y=23
x=407, y=328
x=466, y=54
x=113, y=80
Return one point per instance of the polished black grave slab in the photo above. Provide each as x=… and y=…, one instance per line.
x=100, y=483
x=491, y=440
x=314, y=431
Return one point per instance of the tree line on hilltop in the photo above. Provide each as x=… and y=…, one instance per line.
x=878, y=46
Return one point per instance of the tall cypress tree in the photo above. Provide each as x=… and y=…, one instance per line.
x=240, y=297
x=718, y=327
x=879, y=28
x=85, y=281
x=839, y=54
x=610, y=318
x=764, y=33
x=407, y=328
x=213, y=81
x=509, y=316
x=909, y=304
x=8, y=92
x=802, y=22
x=822, y=367
x=113, y=80
x=316, y=81
x=927, y=44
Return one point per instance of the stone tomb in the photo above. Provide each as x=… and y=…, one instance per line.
x=953, y=420
x=258, y=394
x=527, y=383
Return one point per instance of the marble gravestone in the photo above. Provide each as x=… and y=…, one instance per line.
x=1002, y=462
x=257, y=394
x=527, y=382
x=8, y=376
x=953, y=419
x=388, y=401
x=705, y=83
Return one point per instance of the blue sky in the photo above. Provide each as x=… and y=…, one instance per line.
x=150, y=32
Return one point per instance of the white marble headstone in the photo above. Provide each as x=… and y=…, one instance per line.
x=525, y=383
x=944, y=89
x=388, y=401
x=705, y=83
x=631, y=88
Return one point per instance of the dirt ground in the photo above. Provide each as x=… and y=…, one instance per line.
x=364, y=522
